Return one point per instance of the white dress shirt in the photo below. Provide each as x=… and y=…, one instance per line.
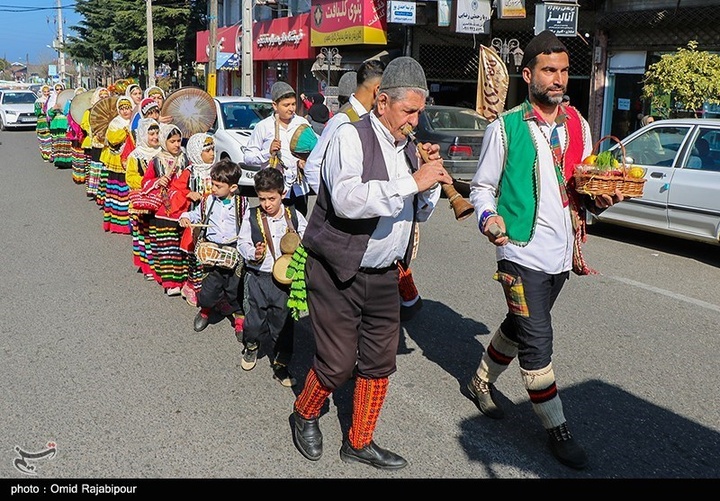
x=390, y=200
x=314, y=161
x=551, y=247
x=257, y=151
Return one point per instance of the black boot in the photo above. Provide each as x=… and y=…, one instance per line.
x=307, y=437
x=372, y=455
x=565, y=448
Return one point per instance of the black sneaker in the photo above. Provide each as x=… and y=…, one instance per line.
x=249, y=359
x=565, y=448
x=282, y=374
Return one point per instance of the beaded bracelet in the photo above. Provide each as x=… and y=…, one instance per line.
x=487, y=214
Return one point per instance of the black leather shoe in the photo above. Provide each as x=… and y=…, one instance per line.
x=200, y=322
x=565, y=448
x=307, y=437
x=408, y=312
x=372, y=455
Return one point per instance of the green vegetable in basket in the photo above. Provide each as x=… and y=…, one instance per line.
x=605, y=161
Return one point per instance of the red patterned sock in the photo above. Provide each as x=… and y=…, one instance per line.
x=367, y=402
x=310, y=401
x=205, y=312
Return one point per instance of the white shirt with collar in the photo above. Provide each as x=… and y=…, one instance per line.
x=391, y=200
x=257, y=151
x=314, y=161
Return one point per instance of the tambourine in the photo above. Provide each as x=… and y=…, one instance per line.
x=280, y=267
x=289, y=242
x=212, y=254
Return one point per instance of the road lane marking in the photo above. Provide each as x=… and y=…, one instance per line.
x=674, y=295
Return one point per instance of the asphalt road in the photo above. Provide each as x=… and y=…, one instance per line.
x=99, y=362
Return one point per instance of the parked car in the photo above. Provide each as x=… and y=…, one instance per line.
x=681, y=196
x=17, y=109
x=459, y=132
x=236, y=118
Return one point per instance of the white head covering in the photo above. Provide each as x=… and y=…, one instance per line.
x=52, y=99
x=195, y=145
x=119, y=122
x=155, y=90
x=143, y=151
x=96, y=95
x=130, y=88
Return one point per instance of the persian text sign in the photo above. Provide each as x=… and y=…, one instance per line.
x=348, y=22
x=282, y=38
x=401, y=12
x=561, y=19
x=508, y=9
x=471, y=16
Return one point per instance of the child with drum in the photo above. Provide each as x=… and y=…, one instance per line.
x=218, y=215
x=263, y=243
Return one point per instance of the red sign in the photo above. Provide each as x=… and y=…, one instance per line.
x=348, y=22
x=283, y=38
x=229, y=39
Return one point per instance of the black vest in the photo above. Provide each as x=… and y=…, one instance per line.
x=342, y=242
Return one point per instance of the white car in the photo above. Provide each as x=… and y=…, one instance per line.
x=236, y=118
x=681, y=196
x=17, y=109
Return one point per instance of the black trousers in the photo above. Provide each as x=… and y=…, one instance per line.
x=530, y=295
x=268, y=315
x=357, y=321
x=221, y=283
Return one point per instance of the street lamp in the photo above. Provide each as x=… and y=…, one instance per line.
x=507, y=48
x=329, y=55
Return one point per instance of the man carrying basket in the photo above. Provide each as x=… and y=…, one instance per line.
x=537, y=223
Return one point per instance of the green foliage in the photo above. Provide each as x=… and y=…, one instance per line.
x=114, y=32
x=684, y=79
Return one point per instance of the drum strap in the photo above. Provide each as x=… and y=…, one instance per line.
x=206, y=218
x=268, y=235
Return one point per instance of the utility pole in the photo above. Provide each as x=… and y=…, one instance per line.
x=61, y=43
x=211, y=79
x=150, y=44
x=247, y=41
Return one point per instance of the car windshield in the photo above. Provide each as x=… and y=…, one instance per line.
x=19, y=98
x=244, y=115
x=444, y=118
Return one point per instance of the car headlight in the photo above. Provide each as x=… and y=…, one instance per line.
x=11, y=112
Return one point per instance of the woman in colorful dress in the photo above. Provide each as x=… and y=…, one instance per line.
x=147, y=147
x=201, y=154
x=42, y=128
x=61, y=154
x=76, y=134
x=169, y=170
x=115, y=208
x=95, y=143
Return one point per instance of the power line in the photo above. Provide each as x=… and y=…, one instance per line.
x=24, y=8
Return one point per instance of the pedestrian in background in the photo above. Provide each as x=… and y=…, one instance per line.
x=373, y=191
x=539, y=218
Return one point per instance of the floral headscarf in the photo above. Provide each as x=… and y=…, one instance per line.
x=195, y=146
x=143, y=151
x=167, y=158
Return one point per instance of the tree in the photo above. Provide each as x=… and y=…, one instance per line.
x=683, y=80
x=113, y=34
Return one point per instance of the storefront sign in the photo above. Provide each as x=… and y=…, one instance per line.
x=284, y=38
x=229, y=40
x=348, y=22
x=509, y=9
x=559, y=18
x=401, y=12
x=444, y=8
x=471, y=16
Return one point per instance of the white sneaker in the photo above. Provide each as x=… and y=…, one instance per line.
x=173, y=291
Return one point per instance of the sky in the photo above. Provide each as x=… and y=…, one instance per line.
x=27, y=27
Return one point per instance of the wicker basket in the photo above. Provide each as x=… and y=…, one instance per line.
x=590, y=181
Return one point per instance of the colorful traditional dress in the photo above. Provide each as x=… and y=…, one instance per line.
x=137, y=165
x=61, y=154
x=43, y=128
x=169, y=264
x=76, y=135
x=95, y=145
x=115, y=207
x=200, y=182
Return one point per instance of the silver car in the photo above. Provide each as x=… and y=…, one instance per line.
x=17, y=109
x=236, y=118
x=681, y=196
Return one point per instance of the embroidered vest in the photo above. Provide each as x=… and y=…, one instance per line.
x=342, y=242
x=519, y=184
